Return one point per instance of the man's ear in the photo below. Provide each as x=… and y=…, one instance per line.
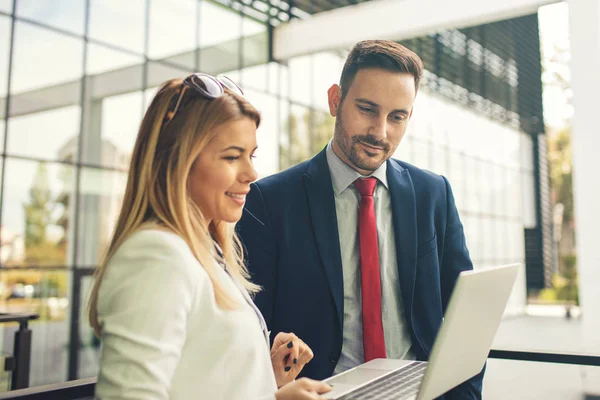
x=334, y=96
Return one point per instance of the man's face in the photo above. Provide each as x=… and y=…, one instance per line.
x=372, y=118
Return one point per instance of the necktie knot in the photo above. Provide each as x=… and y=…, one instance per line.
x=365, y=186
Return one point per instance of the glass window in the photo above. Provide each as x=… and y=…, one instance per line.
x=124, y=67
x=213, y=20
x=68, y=15
x=100, y=201
x=323, y=125
x=299, y=124
x=172, y=31
x=457, y=178
x=513, y=194
x=255, y=44
x=285, y=153
x=6, y=6
x=119, y=23
x=48, y=135
x=300, y=78
x=89, y=352
x=4, y=57
x=45, y=293
x=2, y=130
x=273, y=77
x=158, y=73
x=36, y=212
x=490, y=240
x=404, y=150
x=112, y=128
x=267, y=154
x=326, y=71
x=438, y=160
x=254, y=78
x=421, y=154
x=61, y=57
x=472, y=186
x=472, y=230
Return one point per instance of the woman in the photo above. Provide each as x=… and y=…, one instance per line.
x=171, y=301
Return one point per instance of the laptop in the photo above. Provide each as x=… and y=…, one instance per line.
x=460, y=350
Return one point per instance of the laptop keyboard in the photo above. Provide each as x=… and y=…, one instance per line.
x=395, y=386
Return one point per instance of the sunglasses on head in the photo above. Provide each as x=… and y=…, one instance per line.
x=208, y=86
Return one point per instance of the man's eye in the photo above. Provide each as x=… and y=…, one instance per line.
x=366, y=109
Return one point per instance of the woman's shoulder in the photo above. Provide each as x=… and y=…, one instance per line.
x=155, y=246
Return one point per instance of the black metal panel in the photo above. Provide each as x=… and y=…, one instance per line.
x=534, y=261
x=494, y=68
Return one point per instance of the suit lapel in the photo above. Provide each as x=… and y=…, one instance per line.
x=404, y=213
x=321, y=202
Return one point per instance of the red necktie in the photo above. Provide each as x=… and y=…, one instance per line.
x=373, y=340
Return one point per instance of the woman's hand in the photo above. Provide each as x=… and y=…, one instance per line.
x=302, y=389
x=289, y=354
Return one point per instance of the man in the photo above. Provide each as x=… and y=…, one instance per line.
x=358, y=253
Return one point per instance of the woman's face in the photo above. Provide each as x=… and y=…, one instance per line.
x=221, y=175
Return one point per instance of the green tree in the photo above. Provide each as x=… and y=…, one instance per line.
x=39, y=249
x=308, y=132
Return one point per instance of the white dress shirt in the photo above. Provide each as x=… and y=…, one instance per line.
x=163, y=335
x=347, y=201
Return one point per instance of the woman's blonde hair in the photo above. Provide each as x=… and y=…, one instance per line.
x=157, y=190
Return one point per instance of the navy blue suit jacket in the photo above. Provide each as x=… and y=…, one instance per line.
x=289, y=229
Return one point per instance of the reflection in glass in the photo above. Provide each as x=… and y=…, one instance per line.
x=119, y=23
x=299, y=78
x=123, y=65
x=2, y=130
x=99, y=206
x=323, y=125
x=159, y=73
x=217, y=25
x=46, y=293
x=299, y=131
x=36, y=212
x=60, y=55
x=255, y=45
x=89, y=351
x=111, y=129
x=4, y=56
x=49, y=135
x=267, y=153
x=65, y=14
x=172, y=32
x=6, y=6
x=326, y=70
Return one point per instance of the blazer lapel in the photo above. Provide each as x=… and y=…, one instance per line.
x=404, y=214
x=321, y=202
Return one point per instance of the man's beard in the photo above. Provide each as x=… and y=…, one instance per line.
x=349, y=146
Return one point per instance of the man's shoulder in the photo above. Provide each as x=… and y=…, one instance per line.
x=288, y=177
x=419, y=176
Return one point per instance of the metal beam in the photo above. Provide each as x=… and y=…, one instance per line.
x=390, y=19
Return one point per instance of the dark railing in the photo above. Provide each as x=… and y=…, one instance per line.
x=554, y=358
x=79, y=389
x=20, y=360
x=83, y=389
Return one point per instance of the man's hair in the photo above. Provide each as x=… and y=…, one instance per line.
x=383, y=54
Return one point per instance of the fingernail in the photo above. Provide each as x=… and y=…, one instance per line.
x=295, y=361
x=290, y=344
x=287, y=368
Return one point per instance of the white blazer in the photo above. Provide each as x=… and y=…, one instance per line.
x=163, y=335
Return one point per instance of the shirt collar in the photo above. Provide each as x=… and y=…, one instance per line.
x=343, y=176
